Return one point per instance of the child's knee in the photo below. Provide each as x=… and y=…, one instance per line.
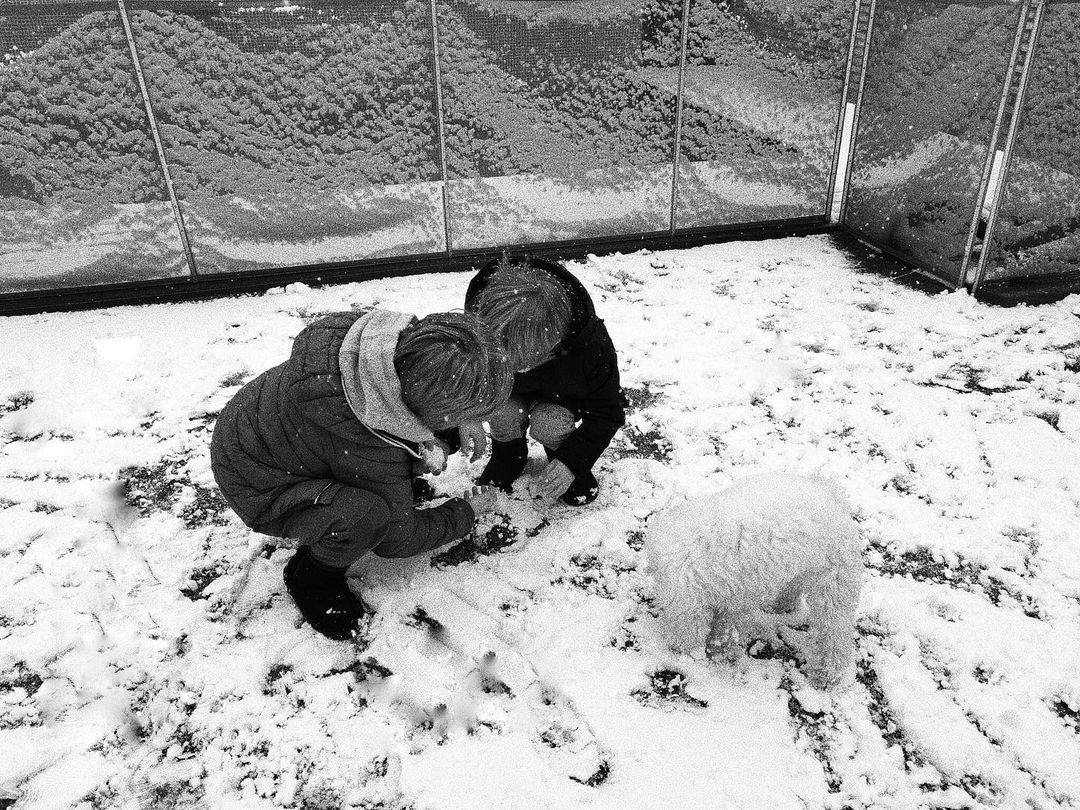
x=508, y=423
x=550, y=424
x=343, y=530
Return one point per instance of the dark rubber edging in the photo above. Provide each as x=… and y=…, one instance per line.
x=1033, y=290
x=217, y=286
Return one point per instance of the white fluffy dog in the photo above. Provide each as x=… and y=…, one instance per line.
x=761, y=559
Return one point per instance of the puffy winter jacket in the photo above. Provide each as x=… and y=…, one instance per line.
x=583, y=376
x=289, y=439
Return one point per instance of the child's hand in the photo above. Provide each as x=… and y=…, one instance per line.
x=433, y=457
x=472, y=435
x=481, y=499
x=553, y=481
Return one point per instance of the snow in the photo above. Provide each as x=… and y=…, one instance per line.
x=149, y=656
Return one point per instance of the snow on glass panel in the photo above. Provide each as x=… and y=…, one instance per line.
x=297, y=134
x=82, y=195
x=1038, y=227
x=761, y=97
x=556, y=125
x=932, y=91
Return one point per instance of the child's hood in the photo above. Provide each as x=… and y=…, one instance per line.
x=369, y=379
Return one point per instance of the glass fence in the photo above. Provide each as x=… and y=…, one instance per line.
x=150, y=140
x=1038, y=227
x=932, y=92
x=330, y=131
x=761, y=98
x=82, y=195
x=296, y=135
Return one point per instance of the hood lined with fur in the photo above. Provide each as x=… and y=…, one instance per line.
x=370, y=381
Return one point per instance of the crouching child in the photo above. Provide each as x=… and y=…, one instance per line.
x=323, y=448
x=566, y=392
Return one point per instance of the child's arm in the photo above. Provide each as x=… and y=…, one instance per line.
x=415, y=531
x=602, y=413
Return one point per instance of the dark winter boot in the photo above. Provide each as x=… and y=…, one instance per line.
x=323, y=596
x=507, y=462
x=583, y=491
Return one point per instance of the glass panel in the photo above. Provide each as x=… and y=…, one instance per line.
x=1038, y=227
x=556, y=126
x=932, y=91
x=761, y=100
x=297, y=134
x=82, y=197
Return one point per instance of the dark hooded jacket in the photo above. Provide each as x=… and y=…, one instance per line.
x=583, y=377
x=289, y=439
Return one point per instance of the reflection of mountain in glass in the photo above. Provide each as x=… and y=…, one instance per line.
x=308, y=133
x=82, y=199
x=298, y=136
x=1038, y=229
x=761, y=101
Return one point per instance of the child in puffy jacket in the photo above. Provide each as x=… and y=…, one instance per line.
x=566, y=391
x=323, y=447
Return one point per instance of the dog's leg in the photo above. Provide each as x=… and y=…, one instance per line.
x=828, y=646
x=766, y=625
x=726, y=640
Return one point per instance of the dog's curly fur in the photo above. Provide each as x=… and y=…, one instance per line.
x=760, y=560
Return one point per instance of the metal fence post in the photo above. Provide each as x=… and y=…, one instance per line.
x=440, y=124
x=683, y=35
x=842, y=135
x=853, y=111
x=992, y=150
x=156, y=135
x=1030, y=26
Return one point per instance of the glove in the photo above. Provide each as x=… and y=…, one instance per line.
x=472, y=435
x=481, y=499
x=555, y=479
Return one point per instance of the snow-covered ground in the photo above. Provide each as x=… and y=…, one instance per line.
x=150, y=658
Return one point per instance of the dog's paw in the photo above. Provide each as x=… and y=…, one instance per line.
x=725, y=643
x=799, y=642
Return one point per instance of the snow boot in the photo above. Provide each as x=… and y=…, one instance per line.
x=507, y=462
x=322, y=594
x=583, y=491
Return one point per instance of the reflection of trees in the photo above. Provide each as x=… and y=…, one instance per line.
x=72, y=124
x=934, y=69
x=292, y=101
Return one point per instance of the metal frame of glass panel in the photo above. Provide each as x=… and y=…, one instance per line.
x=1038, y=186
x=927, y=122
x=676, y=20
